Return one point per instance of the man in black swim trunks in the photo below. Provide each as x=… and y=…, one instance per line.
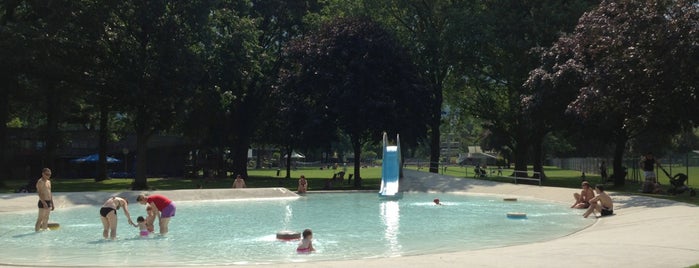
x=43, y=189
x=601, y=203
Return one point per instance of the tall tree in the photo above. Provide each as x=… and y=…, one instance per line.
x=634, y=70
x=435, y=34
x=364, y=79
x=151, y=53
x=494, y=82
x=278, y=22
x=42, y=46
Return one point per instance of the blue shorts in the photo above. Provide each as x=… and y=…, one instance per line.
x=168, y=211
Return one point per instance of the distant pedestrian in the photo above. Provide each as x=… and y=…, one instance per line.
x=603, y=171
x=648, y=163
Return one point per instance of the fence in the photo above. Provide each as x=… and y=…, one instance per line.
x=673, y=163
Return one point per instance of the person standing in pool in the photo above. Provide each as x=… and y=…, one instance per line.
x=166, y=209
x=605, y=206
x=43, y=189
x=142, y=227
x=306, y=244
x=109, y=217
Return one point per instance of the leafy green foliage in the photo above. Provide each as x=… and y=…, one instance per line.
x=626, y=68
x=358, y=76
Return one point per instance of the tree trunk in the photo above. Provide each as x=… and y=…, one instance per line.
x=357, y=148
x=143, y=134
x=53, y=111
x=239, y=151
x=434, y=145
x=4, y=117
x=289, y=150
x=538, y=151
x=521, y=150
x=619, y=172
x=103, y=133
x=140, y=180
x=258, y=162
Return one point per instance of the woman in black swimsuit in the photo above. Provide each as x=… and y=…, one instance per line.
x=109, y=218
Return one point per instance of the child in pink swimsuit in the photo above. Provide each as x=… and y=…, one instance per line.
x=306, y=244
x=142, y=227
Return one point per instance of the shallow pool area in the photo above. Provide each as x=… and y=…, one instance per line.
x=345, y=225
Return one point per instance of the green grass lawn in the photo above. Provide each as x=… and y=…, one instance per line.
x=571, y=179
x=317, y=179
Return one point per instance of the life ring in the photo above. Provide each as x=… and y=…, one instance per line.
x=288, y=235
x=517, y=215
x=509, y=199
x=54, y=226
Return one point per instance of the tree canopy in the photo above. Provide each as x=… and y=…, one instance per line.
x=362, y=78
x=626, y=69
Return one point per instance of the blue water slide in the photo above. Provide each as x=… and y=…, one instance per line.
x=390, y=170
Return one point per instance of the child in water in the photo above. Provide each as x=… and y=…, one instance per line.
x=142, y=226
x=150, y=218
x=306, y=244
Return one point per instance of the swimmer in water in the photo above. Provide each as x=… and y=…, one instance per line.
x=306, y=244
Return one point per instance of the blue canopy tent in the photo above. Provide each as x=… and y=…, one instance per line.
x=86, y=166
x=94, y=158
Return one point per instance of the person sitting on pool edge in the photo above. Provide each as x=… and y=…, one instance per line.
x=582, y=199
x=303, y=185
x=239, y=182
x=605, y=206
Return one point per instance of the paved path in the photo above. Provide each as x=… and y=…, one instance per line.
x=645, y=232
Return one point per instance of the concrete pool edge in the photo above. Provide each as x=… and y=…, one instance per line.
x=645, y=232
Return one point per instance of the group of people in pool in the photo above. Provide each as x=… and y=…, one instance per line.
x=157, y=206
x=600, y=203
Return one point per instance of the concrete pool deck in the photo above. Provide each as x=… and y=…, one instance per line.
x=645, y=232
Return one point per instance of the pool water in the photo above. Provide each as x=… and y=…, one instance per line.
x=345, y=226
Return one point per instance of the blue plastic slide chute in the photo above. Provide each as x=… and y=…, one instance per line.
x=390, y=169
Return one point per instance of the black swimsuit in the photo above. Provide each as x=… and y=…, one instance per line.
x=105, y=210
x=49, y=204
x=606, y=211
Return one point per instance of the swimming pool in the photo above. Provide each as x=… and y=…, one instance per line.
x=345, y=226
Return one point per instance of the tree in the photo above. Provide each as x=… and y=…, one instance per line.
x=494, y=81
x=151, y=51
x=630, y=65
x=278, y=21
x=42, y=48
x=363, y=80
x=299, y=120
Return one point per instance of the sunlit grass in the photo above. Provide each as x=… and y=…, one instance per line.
x=318, y=179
